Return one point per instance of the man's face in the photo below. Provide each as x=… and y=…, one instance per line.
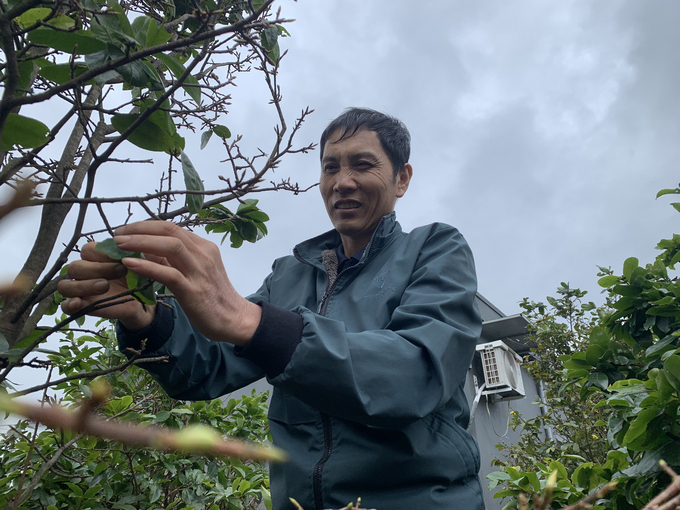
x=358, y=185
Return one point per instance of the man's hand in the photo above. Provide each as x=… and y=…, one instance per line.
x=191, y=268
x=96, y=277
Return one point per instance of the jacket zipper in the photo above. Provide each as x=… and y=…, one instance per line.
x=325, y=418
x=318, y=469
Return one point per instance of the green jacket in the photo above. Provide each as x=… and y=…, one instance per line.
x=368, y=371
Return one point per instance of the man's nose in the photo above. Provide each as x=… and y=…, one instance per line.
x=345, y=181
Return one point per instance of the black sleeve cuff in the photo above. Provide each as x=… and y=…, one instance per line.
x=274, y=341
x=156, y=333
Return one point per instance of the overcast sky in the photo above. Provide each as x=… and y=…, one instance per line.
x=541, y=129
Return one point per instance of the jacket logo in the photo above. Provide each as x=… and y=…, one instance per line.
x=381, y=279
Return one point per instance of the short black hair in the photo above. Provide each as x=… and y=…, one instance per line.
x=392, y=133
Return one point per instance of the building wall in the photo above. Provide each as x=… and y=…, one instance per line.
x=489, y=427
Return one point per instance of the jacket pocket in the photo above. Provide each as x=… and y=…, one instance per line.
x=461, y=439
x=285, y=408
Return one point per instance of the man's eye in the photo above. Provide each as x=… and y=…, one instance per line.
x=329, y=169
x=363, y=165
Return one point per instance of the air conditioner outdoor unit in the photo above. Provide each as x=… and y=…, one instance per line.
x=502, y=371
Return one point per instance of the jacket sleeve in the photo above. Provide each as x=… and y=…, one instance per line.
x=396, y=375
x=197, y=368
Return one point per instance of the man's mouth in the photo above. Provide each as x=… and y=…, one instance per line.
x=347, y=205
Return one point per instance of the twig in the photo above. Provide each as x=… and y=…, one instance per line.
x=668, y=495
x=194, y=439
x=588, y=501
x=92, y=375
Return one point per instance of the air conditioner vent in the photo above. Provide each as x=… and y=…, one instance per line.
x=502, y=371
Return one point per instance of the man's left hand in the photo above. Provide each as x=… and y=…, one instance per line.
x=191, y=268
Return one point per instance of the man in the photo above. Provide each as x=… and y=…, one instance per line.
x=366, y=334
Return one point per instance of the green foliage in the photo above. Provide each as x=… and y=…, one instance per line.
x=569, y=488
x=143, y=73
x=248, y=223
x=558, y=329
x=96, y=473
x=625, y=370
x=194, y=202
x=99, y=40
x=23, y=131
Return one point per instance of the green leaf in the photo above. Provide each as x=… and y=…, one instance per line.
x=676, y=206
x=664, y=311
x=162, y=416
x=80, y=42
x=626, y=290
x=205, y=138
x=135, y=73
x=61, y=21
x=625, y=303
x=663, y=386
x=161, y=117
x=608, y=281
x=76, y=490
x=25, y=74
x=101, y=467
x=668, y=192
x=575, y=364
x=146, y=296
x=247, y=230
x=628, y=266
x=109, y=248
x=148, y=134
x=92, y=491
x=236, y=240
x=266, y=498
x=274, y=54
x=258, y=216
x=155, y=493
x=672, y=366
x=61, y=73
x=156, y=81
x=161, y=36
x=639, y=424
x=190, y=86
x=599, y=336
x=561, y=470
x=192, y=182
x=661, y=344
x=141, y=26
x=99, y=58
x=112, y=26
x=269, y=36
x=249, y=204
x=32, y=16
x=24, y=131
x=599, y=379
x=222, y=131
x=594, y=354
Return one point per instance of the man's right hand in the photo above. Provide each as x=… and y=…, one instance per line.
x=96, y=277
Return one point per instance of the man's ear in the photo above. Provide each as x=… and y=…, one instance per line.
x=403, y=179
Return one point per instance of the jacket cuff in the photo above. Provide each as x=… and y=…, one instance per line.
x=156, y=333
x=274, y=341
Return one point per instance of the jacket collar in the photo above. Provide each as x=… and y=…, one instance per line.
x=310, y=251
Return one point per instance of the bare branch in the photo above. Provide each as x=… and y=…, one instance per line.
x=88, y=376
